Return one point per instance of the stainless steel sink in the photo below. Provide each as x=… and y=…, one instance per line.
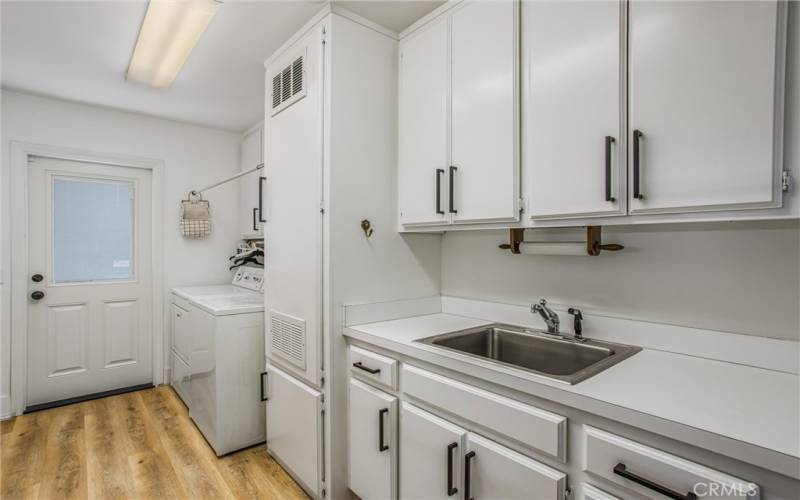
x=556, y=357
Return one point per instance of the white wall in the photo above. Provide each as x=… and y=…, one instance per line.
x=193, y=157
x=735, y=277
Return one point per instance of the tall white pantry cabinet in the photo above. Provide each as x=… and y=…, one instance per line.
x=330, y=162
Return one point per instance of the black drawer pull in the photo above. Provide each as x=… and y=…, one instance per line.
x=439, y=173
x=451, y=490
x=637, y=192
x=381, y=446
x=452, y=182
x=373, y=371
x=261, y=181
x=609, y=142
x=255, y=225
x=467, y=475
x=621, y=470
x=263, y=396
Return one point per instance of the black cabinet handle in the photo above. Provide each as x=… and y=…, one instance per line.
x=439, y=173
x=381, y=446
x=609, y=143
x=451, y=490
x=261, y=181
x=467, y=475
x=367, y=369
x=263, y=396
x=255, y=227
x=452, y=181
x=621, y=470
x=637, y=134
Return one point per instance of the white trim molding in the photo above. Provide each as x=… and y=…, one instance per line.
x=15, y=241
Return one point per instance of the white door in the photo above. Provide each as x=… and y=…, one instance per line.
x=483, y=123
x=372, y=443
x=492, y=471
x=573, y=128
x=430, y=455
x=294, y=427
x=90, y=262
x=702, y=105
x=251, y=185
x=293, y=269
x=423, y=126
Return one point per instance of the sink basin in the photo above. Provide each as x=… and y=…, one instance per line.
x=556, y=357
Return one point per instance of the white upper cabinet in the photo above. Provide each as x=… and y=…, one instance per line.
x=250, y=186
x=572, y=127
x=458, y=154
x=703, y=124
x=484, y=172
x=423, y=126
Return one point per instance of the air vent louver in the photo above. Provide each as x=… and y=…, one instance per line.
x=288, y=85
x=288, y=338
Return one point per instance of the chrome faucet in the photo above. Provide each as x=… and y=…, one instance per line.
x=548, y=315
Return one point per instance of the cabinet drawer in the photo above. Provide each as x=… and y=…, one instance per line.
x=590, y=492
x=631, y=464
x=541, y=430
x=373, y=367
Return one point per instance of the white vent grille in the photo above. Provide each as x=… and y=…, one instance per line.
x=289, y=338
x=288, y=85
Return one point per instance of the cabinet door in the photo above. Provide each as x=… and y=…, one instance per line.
x=573, y=120
x=372, y=450
x=249, y=185
x=181, y=332
x=492, y=471
x=702, y=103
x=423, y=126
x=484, y=112
x=430, y=455
x=294, y=427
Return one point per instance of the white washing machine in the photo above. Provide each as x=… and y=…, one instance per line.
x=217, y=358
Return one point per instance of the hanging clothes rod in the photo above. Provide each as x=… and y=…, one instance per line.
x=232, y=178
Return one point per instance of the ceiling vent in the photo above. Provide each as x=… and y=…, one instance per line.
x=288, y=338
x=288, y=85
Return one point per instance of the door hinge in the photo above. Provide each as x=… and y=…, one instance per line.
x=521, y=205
x=324, y=32
x=786, y=180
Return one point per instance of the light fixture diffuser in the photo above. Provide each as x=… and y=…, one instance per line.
x=170, y=30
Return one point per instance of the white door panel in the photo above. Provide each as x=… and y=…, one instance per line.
x=294, y=427
x=293, y=268
x=496, y=472
x=431, y=451
x=372, y=442
x=423, y=125
x=483, y=102
x=573, y=103
x=703, y=97
x=90, y=239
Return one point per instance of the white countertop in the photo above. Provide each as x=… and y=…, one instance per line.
x=752, y=414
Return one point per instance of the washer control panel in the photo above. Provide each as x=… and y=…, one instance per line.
x=251, y=278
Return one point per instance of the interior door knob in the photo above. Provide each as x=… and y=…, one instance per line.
x=37, y=295
x=37, y=278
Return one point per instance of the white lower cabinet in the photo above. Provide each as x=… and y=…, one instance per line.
x=372, y=450
x=589, y=492
x=431, y=453
x=492, y=471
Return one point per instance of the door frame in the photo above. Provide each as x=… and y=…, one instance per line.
x=16, y=242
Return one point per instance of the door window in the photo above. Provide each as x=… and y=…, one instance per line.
x=92, y=230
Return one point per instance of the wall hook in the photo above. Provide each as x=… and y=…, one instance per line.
x=365, y=226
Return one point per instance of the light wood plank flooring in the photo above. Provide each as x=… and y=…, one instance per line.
x=139, y=445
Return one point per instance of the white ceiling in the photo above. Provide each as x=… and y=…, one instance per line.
x=80, y=50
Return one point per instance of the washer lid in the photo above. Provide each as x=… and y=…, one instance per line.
x=192, y=292
x=242, y=303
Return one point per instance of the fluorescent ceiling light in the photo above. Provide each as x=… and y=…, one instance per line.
x=170, y=30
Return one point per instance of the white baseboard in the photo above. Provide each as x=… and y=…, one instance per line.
x=5, y=407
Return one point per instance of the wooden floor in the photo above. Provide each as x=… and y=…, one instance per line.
x=139, y=445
